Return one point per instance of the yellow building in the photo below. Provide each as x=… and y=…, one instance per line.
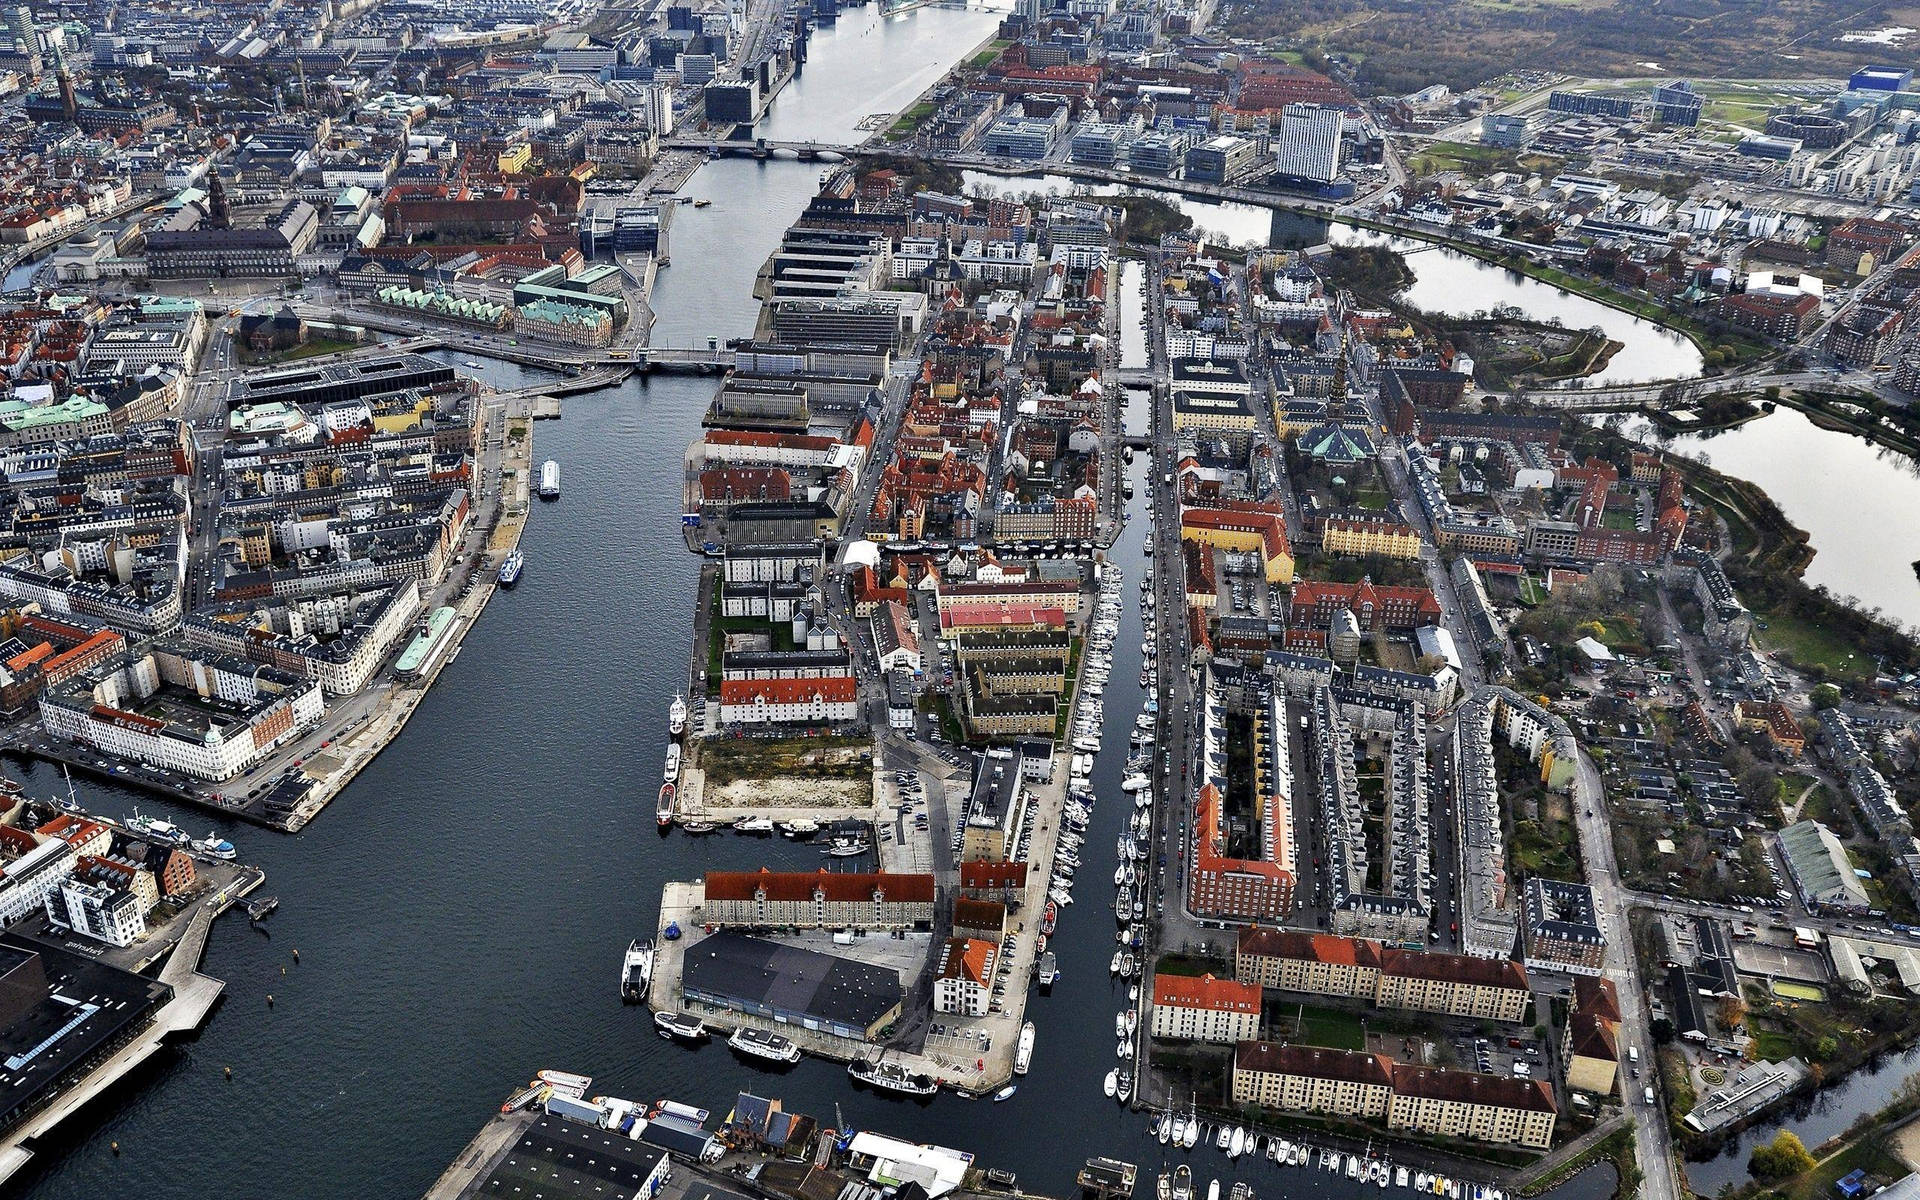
x=1323, y=965
x=516, y=159
x=1309, y=1079
x=1591, y=1044
x=1261, y=533
x=1317, y=964
x=1466, y=1104
x=1364, y=538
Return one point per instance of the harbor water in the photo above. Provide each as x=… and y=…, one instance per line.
x=461, y=910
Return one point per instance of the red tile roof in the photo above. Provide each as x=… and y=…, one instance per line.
x=830, y=885
x=833, y=689
x=1204, y=991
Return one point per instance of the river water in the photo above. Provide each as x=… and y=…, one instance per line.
x=462, y=907
x=1856, y=500
x=1445, y=280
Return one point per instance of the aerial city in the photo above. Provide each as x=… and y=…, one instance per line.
x=906, y=599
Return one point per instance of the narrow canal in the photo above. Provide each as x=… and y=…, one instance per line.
x=461, y=910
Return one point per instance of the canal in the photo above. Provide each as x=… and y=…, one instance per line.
x=1446, y=281
x=461, y=910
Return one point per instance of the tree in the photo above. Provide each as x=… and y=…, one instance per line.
x=1826, y=696
x=1783, y=1157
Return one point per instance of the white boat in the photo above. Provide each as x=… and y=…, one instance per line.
x=1131, y=1017
x=1135, y=783
x=892, y=1077
x=1193, y=1132
x=549, y=479
x=1353, y=1166
x=800, y=827
x=1213, y=1189
x=1163, y=1128
x=1023, y=1053
x=1177, y=1132
x=677, y=715
x=1126, y=1088
x=1237, y=1143
x=1113, y=968
x=759, y=1043
x=153, y=829
x=672, y=774
x=216, y=846
x=1112, y=1084
x=1120, y=1024
x=636, y=969
x=753, y=825
x=1224, y=1139
x=679, y=1025
x=566, y=1082
x=510, y=569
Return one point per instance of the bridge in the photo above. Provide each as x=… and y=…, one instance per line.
x=762, y=148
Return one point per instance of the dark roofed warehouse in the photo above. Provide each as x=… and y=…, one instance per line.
x=799, y=987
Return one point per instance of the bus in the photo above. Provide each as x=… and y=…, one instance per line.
x=619, y=354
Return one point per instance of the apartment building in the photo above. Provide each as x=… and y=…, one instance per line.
x=818, y=900
x=1205, y=1009
x=1319, y=964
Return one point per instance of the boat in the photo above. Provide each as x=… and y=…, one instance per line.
x=677, y=715
x=472, y=365
x=1193, y=1133
x=1223, y=1140
x=260, y=910
x=1132, y=1017
x=510, y=569
x=526, y=1096
x=1213, y=1189
x=153, y=829
x=1182, y=1182
x=1113, y=968
x=699, y=827
x=549, y=480
x=1237, y=1143
x=753, y=825
x=1126, y=1088
x=1163, y=1128
x=1353, y=1166
x=1005, y=1093
x=663, y=808
x=1049, y=971
x=759, y=1043
x=841, y=847
x=216, y=846
x=635, y=970
x=565, y=1081
x=892, y=1077
x=1046, y=921
x=1112, y=1084
x=1120, y=1024
x=680, y=1025
x=800, y=828
x=1163, y=1188
x=702, y=202
x=1423, y=1182
x=1241, y=1191
x=1023, y=1053
x=673, y=762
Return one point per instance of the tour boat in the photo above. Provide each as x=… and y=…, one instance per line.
x=635, y=970
x=153, y=829
x=663, y=808
x=510, y=569
x=892, y=1077
x=680, y=1025
x=677, y=716
x=673, y=762
x=216, y=846
x=759, y=1043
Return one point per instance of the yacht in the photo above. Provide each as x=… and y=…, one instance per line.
x=677, y=715
x=753, y=825
x=1112, y=1084
x=680, y=1025
x=892, y=1077
x=1400, y=1177
x=1023, y=1053
x=673, y=762
x=153, y=829
x=663, y=808
x=1163, y=1128
x=800, y=828
x=758, y=1043
x=1213, y=1189
x=216, y=846
x=510, y=569
x=1193, y=1132
x=635, y=970
x=1237, y=1143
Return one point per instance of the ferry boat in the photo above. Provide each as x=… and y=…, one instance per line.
x=673, y=762
x=759, y=1043
x=677, y=715
x=566, y=1081
x=635, y=970
x=510, y=569
x=1023, y=1053
x=892, y=1077
x=216, y=846
x=549, y=480
x=153, y=829
x=663, y=808
x=680, y=1025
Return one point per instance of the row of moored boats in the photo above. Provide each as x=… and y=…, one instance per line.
x=1187, y=1130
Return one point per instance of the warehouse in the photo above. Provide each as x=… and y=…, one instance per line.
x=793, y=986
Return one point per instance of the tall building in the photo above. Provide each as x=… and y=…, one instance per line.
x=22, y=33
x=1306, y=145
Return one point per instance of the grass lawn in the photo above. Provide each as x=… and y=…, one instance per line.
x=1450, y=156
x=1531, y=593
x=1331, y=1028
x=1373, y=499
x=313, y=349
x=1809, y=645
x=1818, y=1183
x=911, y=119
x=1773, y=1045
x=1618, y=518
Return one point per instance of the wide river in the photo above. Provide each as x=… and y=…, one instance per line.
x=461, y=909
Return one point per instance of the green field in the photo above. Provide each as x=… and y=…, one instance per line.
x=1809, y=645
x=1331, y=1028
x=1798, y=991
